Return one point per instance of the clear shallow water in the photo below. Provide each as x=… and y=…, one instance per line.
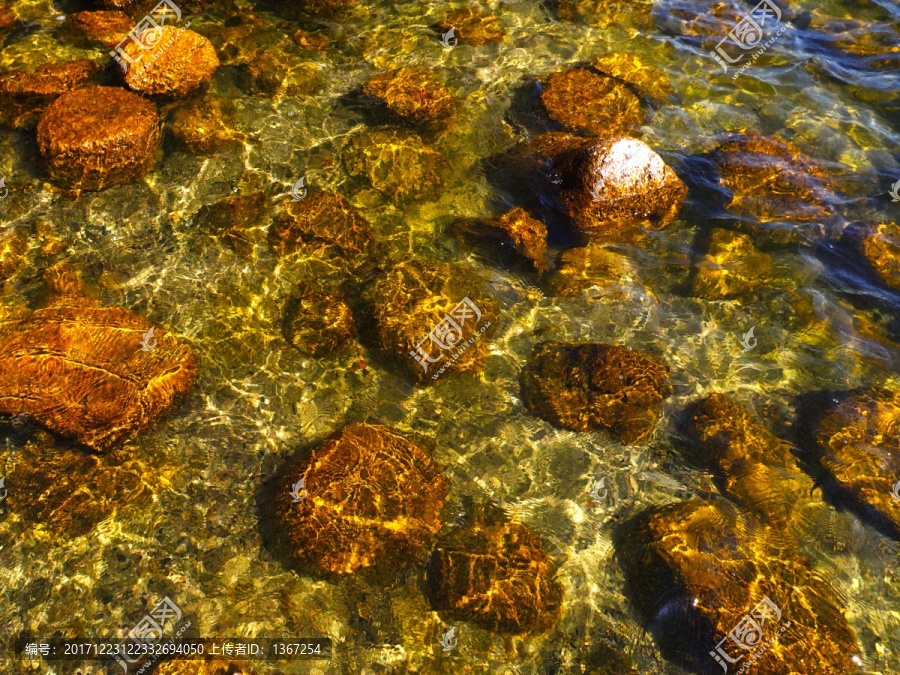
x=258, y=400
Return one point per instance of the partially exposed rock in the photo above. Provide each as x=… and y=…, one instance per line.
x=582, y=268
x=881, y=248
x=592, y=385
x=515, y=231
x=179, y=62
x=472, y=26
x=731, y=268
x=99, y=136
x=325, y=226
x=24, y=96
x=367, y=495
x=589, y=103
x=233, y=218
x=317, y=322
x=411, y=94
x=396, y=163
x=206, y=124
x=13, y=247
x=496, y=576
x=80, y=370
x=651, y=81
x=103, y=27
x=701, y=571
x=423, y=323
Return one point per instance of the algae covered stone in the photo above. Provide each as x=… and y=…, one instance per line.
x=593, y=385
x=589, y=103
x=25, y=95
x=317, y=322
x=365, y=496
x=94, y=137
x=80, y=369
x=515, y=232
x=472, y=26
x=178, y=62
x=496, y=576
x=411, y=94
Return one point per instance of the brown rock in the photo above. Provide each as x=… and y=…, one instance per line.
x=515, y=231
x=472, y=26
x=616, y=183
x=423, y=323
x=697, y=570
x=881, y=248
x=496, y=576
x=233, y=219
x=369, y=495
x=206, y=124
x=628, y=68
x=589, y=103
x=325, y=226
x=396, y=163
x=732, y=267
x=13, y=248
x=79, y=369
x=411, y=94
x=179, y=62
x=99, y=136
x=7, y=19
x=314, y=42
x=317, y=322
x=103, y=27
x=592, y=385
x=24, y=96
x=583, y=268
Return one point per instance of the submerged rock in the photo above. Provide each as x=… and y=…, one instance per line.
x=411, y=94
x=515, y=231
x=179, y=62
x=13, y=249
x=472, y=26
x=589, y=103
x=583, y=268
x=592, y=385
x=80, y=370
x=209, y=666
x=731, y=268
x=632, y=14
x=317, y=322
x=496, y=576
x=277, y=72
x=651, y=81
x=881, y=248
x=206, y=124
x=314, y=42
x=771, y=179
x=396, y=163
x=325, y=226
x=853, y=435
x=99, y=136
x=705, y=578
x=367, y=495
x=233, y=218
x=24, y=96
x=8, y=19
x=328, y=8
x=103, y=27
x=423, y=322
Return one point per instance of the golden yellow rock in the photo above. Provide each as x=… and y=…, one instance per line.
x=411, y=94
x=317, y=322
x=13, y=247
x=881, y=248
x=107, y=28
x=233, y=218
x=515, y=232
x=205, y=124
x=210, y=666
x=99, y=136
x=592, y=104
x=472, y=26
x=633, y=14
x=731, y=268
x=25, y=95
x=7, y=19
x=178, y=62
x=582, y=268
x=631, y=69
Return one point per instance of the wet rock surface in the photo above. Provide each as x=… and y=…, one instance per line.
x=631, y=13
x=731, y=268
x=369, y=496
x=99, y=136
x=696, y=570
x=515, y=232
x=496, y=576
x=317, y=322
x=589, y=103
x=7, y=19
x=179, y=62
x=852, y=436
x=592, y=385
x=325, y=226
x=396, y=163
x=107, y=28
x=25, y=95
x=411, y=94
x=13, y=248
x=632, y=70
x=588, y=266
x=205, y=124
x=234, y=219
x=211, y=666
x=410, y=304
x=79, y=368
x=277, y=72
x=472, y=26
x=881, y=248
x=314, y=42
